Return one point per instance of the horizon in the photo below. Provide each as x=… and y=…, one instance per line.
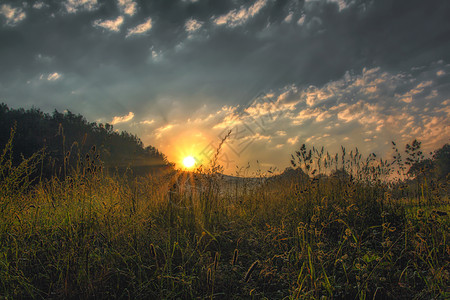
x=278, y=74
x=411, y=154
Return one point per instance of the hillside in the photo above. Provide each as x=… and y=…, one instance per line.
x=70, y=141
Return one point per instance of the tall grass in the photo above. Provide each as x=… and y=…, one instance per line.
x=350, y=234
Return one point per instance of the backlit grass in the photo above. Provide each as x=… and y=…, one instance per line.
x=353, y=234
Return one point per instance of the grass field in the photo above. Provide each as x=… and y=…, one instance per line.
x=353, y=235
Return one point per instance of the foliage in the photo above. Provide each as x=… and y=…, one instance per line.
x=67, y=138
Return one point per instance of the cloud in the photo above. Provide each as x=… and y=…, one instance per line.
x=156, y=56
x=289, y=17
x=408, y=96
x=440, y=73
x=341, y=3
x=260, y=137
x=122, y=119
x=239, y=17
x=314, y=95
x=192, y=25
x=423, y=85
x=316, y=114
x=112, y=25
x=268, y=109
x=433, y=94
x=228, y=116
x=39, y=5
x=369, y=85
x=73, y=6
x=43, y=58
x=293, y=140
x=147, y=122
x=51, y=77
x=13, y=15
x=141, y=28
x=159, y=131
x=361, y=112
x=128, y=7
x=301, y=20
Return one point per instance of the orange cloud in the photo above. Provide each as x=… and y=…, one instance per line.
x=122, y=119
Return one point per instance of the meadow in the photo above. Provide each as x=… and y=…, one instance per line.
x=338, y=226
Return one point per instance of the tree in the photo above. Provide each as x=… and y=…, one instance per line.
x=441, y=158
x=67, y=137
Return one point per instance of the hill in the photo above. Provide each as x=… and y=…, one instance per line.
x=70, y=141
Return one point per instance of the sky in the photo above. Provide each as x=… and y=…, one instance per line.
x=278, y=73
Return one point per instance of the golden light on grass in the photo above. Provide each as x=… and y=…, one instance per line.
x=188, y=161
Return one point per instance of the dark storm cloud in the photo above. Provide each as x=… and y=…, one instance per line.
x=391, y=34
x=262, y=54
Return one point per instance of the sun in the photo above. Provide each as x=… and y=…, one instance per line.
x=189, y=161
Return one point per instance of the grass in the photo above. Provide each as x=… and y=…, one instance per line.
x=196, y=236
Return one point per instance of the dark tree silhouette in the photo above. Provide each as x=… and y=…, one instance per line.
x=68, y=137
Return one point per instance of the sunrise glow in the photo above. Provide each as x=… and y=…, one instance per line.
x=188, y=161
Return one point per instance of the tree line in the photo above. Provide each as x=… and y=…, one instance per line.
x=69, y=141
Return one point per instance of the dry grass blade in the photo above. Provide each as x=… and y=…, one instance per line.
x=250, y=271
x=235, y=257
